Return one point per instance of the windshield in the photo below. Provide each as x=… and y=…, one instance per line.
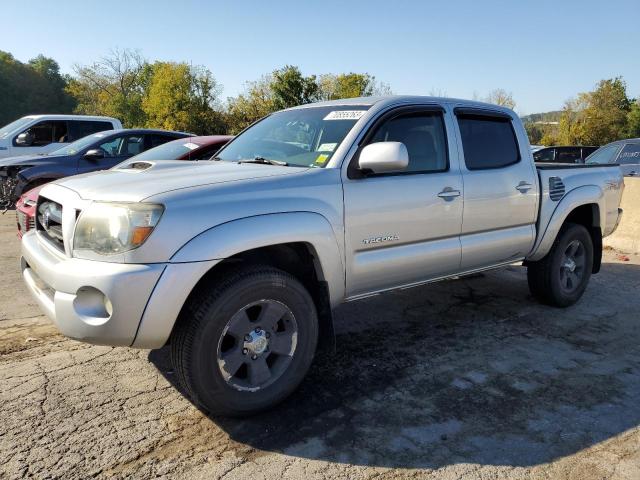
x=79, y=145
x=603, y=155
x=305, y=137
x=13, y=126
x=169, y=151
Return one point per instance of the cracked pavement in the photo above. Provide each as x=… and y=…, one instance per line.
x=468, y=378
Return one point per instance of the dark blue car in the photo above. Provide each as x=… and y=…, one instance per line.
x=98, y=151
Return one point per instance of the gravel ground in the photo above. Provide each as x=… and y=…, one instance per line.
x=468, y=378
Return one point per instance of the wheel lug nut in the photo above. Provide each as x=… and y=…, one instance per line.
x=244, y=351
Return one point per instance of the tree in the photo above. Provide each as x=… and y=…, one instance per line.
x=180, y=97
x=501, y=97
x=605, y=115
x=33, y=87
x=349, y=85
x=633, y=121
x=256, y=102
x=290, y=88
x=113, y=86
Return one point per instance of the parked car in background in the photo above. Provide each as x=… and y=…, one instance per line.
x=563, y=154
x=626, y=153
x=36, y=134
x=98, y=151
x=238, y=262
x=535, y=148
x=26, y=210
x=190, y=148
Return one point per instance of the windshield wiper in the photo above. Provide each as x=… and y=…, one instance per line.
x=265, y=161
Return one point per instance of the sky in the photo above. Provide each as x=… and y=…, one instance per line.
x=543, y=52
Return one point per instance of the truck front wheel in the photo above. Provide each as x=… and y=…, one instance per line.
x=246, y=343
x=561, y=277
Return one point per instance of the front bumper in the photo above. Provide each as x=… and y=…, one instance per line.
x=95, y=302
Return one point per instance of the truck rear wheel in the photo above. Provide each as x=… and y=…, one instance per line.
x=245, y=344
x=561, y=277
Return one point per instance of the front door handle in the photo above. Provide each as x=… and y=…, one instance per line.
x=523, y=187
x=633, y=173
x=449, y=193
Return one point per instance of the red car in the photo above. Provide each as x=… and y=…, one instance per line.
x=190, y=148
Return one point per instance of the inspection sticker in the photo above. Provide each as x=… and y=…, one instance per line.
x=322, y=159
x=190, y=146
x=345, y=115
x=327, y=147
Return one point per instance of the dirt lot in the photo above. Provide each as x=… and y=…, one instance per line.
x=464, y=379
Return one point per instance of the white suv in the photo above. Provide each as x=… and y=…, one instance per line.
x=35, y=134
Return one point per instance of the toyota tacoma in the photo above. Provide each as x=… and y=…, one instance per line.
x=237, y=262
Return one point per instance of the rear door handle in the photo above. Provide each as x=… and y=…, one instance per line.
x=523, y=187
x=449, y=193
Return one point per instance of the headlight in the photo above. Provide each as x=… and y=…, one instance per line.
x=110, y=228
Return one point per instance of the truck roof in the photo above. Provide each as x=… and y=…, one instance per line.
x=389, y=100
x=71, y=117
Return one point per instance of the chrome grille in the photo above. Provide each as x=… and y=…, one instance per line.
x=49, y=221
x=556, y=188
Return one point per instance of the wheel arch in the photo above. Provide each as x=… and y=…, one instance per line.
x=310, y=252
x=582, y=206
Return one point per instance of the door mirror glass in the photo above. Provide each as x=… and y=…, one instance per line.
x=24, y=139
x=383, y=157
x=94, y=154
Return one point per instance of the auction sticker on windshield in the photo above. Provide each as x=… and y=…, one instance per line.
x=190, y=146
x=345, y=115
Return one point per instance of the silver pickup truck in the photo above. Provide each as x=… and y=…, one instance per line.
x=237, y=262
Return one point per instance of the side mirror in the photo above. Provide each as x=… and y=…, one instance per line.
x=383, y=157
x=25, y=139
x=94, y=154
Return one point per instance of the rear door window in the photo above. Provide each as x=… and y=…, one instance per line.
x=156, y=140
x=568, y=155
x=81, y=128
x=488, y=142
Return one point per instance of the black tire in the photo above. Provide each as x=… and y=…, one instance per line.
x=204, y=327
x=554, y=283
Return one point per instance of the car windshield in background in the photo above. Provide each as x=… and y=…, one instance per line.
x=78, y=145
x=304, y=137
x=169, y=151
x=603, y=155
x=7, y=129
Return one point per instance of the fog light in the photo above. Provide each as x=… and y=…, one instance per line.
x=92, y=306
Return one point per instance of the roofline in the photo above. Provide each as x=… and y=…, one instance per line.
x=389, y=100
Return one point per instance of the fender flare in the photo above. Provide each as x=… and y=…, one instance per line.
x=237, y=236
x=584, y=195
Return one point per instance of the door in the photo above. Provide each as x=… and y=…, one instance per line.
x=629, y=159
x=114, y=150
x=403, y=227
x=44, y=136
x=500, y=190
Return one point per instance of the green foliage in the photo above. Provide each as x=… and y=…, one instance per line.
x=597, y=117
x=290, y=88
x=633, y=121
x=256, y=102
x=34, y=87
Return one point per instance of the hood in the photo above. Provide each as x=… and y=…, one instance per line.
x=29, y=160
x=136, y=181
